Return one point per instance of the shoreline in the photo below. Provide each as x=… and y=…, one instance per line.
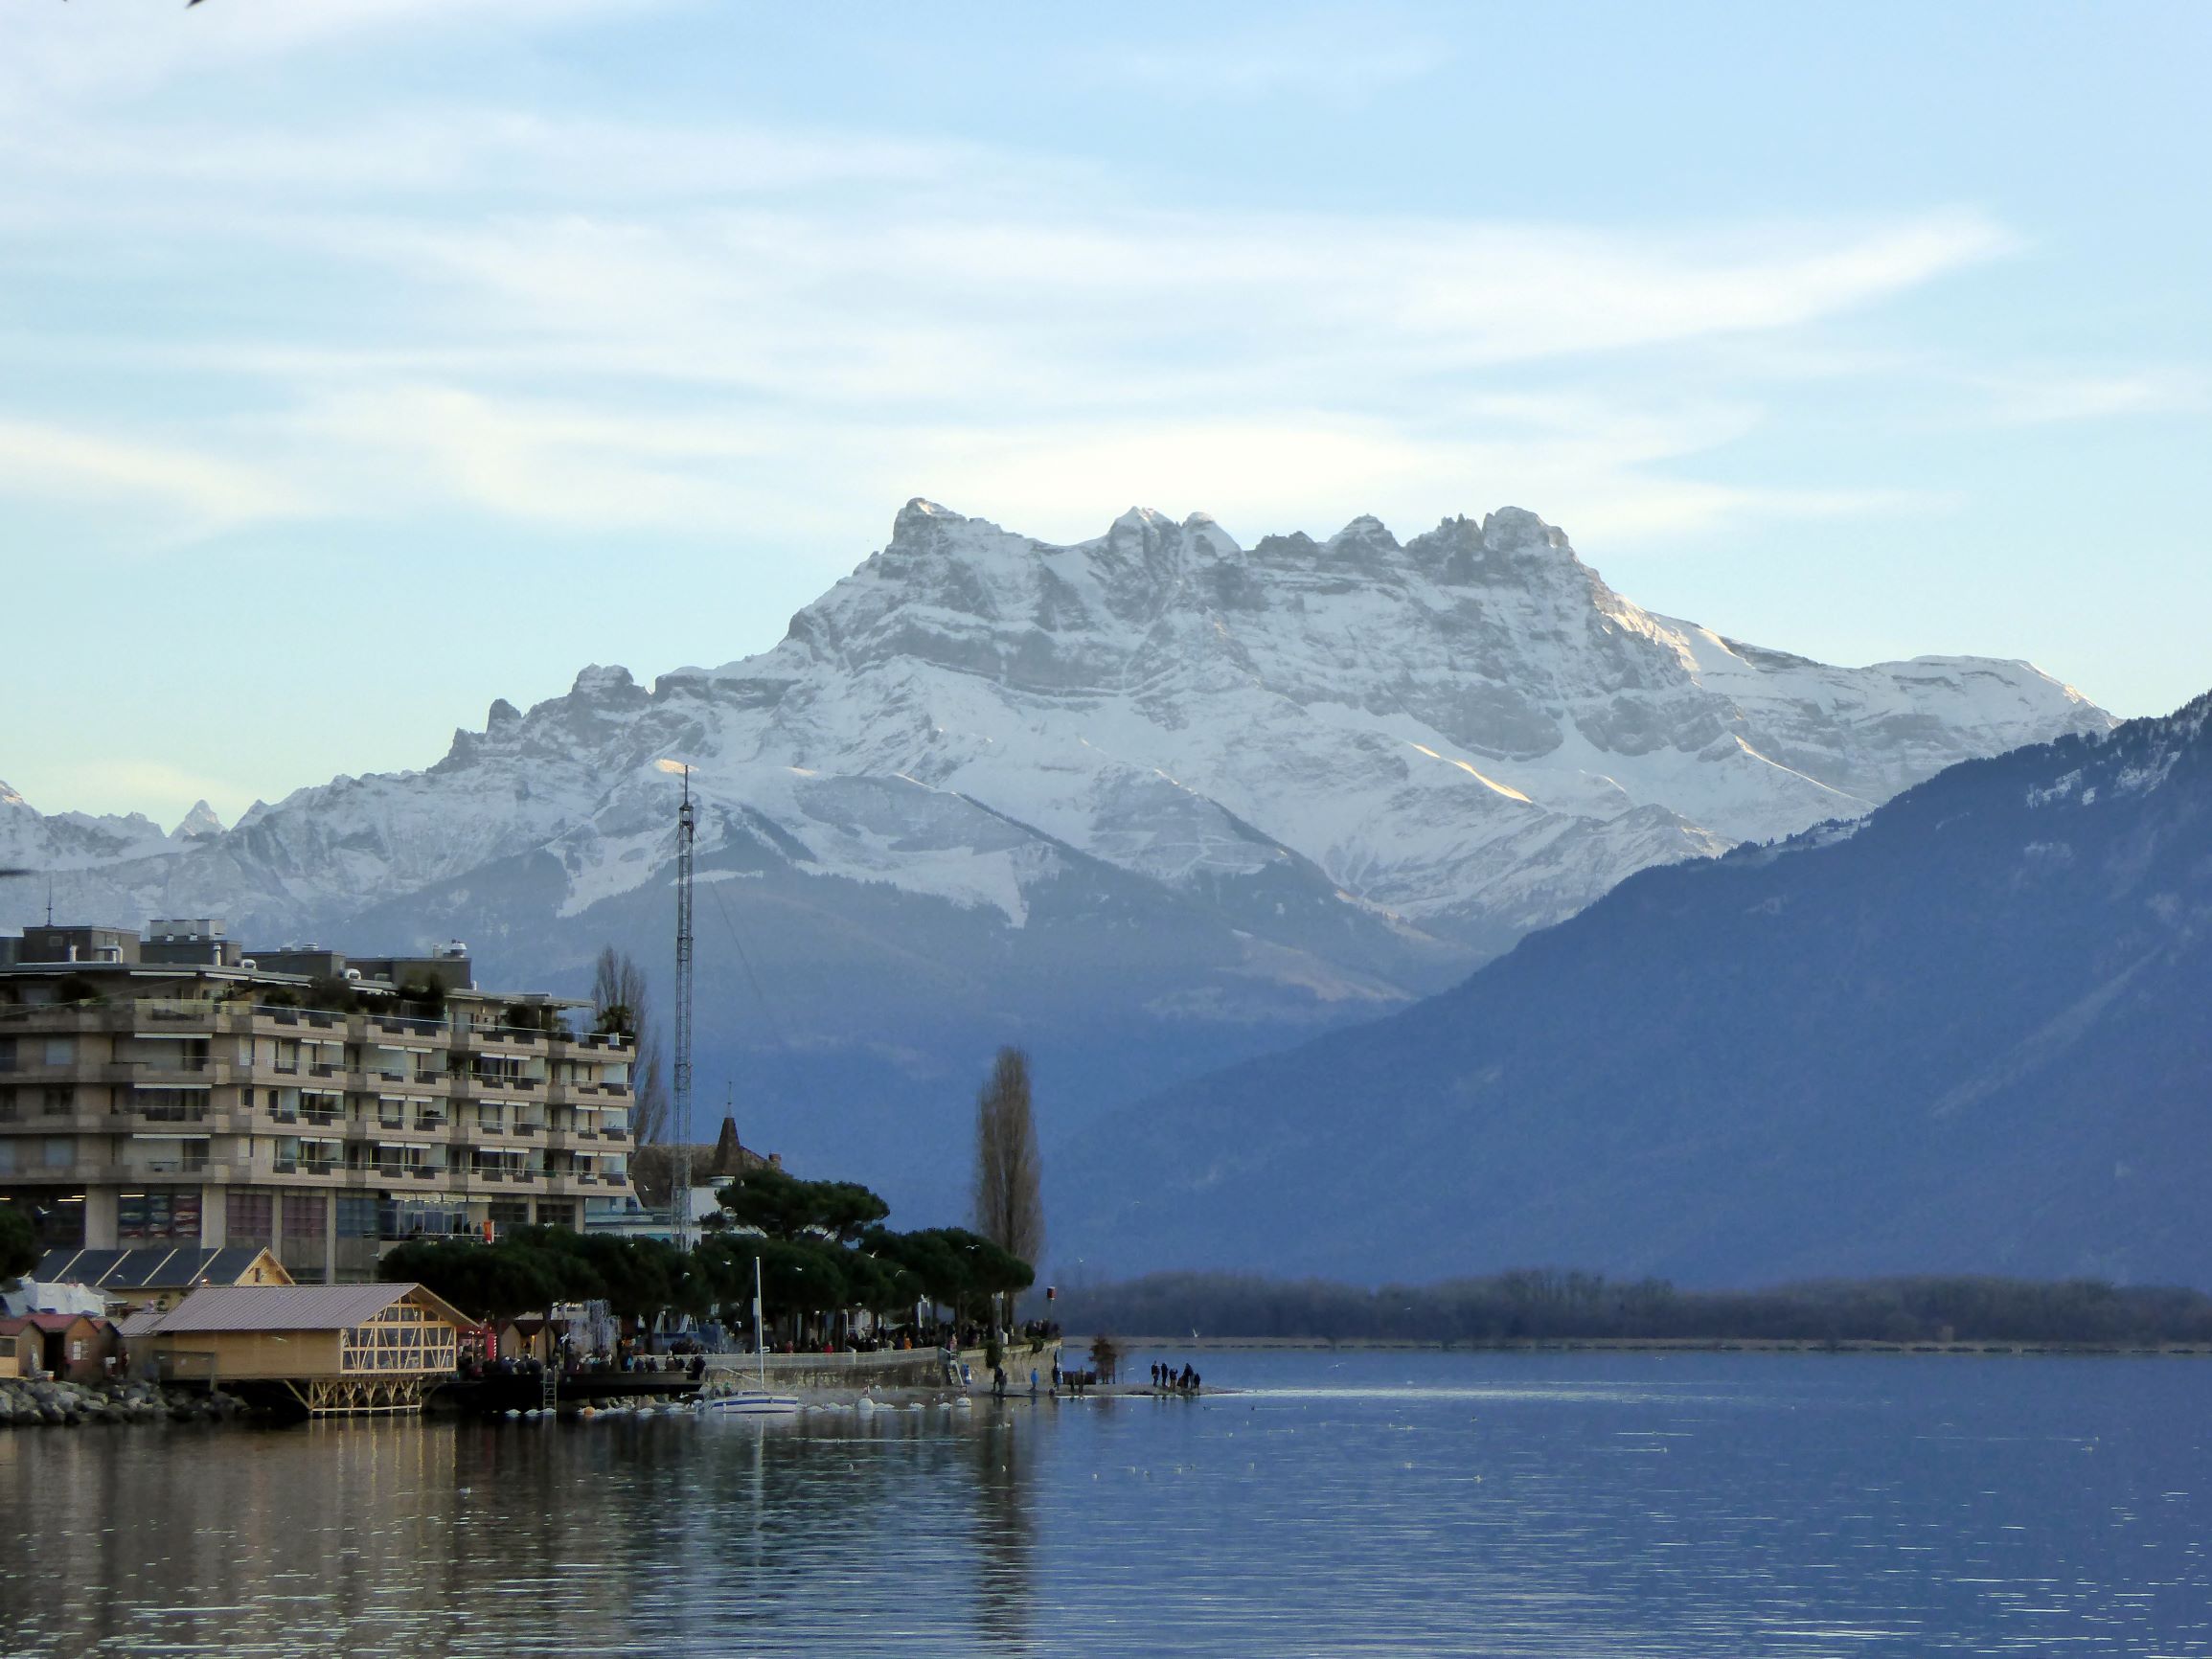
x=1657, y=1345
x=55, y=1402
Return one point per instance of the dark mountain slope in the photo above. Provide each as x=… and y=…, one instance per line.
x=1969, y=1034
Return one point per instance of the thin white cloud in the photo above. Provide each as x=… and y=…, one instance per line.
x=39, y=460
x=690, y=328
x=74, y=52
x=1118, y=305
x=2062, y=396
x=1339, y=56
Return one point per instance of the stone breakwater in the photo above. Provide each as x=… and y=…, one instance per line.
x=38, y=1404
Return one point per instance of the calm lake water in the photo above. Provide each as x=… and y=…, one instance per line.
x=1355, y=1503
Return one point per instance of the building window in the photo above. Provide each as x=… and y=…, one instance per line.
x=159, y=1213
x=60, y=1152
x=505, y=1212
x=7, y=1054
x=356, y=1215
x=249, y=1215
x=58, y=1102
x=304, y=1214
x=60, y=1050
x=6, y=1157
x=169, y=1105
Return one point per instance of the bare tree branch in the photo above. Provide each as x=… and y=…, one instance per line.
x=619, y=1001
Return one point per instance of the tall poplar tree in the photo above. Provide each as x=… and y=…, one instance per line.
x=1008, y=1200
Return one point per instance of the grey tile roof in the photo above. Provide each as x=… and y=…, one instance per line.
x=279, y=1307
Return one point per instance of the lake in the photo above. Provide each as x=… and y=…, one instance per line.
x=1599, y=1504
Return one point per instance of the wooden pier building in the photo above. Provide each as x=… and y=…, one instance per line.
x=326, y=1351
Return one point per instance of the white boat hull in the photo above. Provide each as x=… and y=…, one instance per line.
x=750, y=1406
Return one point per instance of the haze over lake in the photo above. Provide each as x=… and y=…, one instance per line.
x=1495, y=1504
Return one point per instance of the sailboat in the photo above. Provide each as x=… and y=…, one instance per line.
x=754, y=1401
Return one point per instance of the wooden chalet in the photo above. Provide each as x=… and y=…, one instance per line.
x=327, y=1350
x=74, y=1347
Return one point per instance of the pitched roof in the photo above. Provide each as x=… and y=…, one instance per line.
x=150, y=1268
x=48, y=1322
x=280, y=1307
x=651, y=1166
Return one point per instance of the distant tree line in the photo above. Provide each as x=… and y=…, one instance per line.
x=1540, y=1304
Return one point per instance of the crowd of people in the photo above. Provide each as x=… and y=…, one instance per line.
x=1166, y=1378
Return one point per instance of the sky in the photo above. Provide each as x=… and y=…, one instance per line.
x=363, y=361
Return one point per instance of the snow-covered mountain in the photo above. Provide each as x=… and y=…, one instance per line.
x=1964, y=1035
x=1154, y=777
x=68, y=841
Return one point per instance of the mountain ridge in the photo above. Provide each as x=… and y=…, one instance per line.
x=1960, y=1035
x=1270, y=789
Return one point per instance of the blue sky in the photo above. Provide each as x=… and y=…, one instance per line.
x=363, y=361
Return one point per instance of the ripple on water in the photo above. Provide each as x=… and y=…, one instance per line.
x=1630, y=1505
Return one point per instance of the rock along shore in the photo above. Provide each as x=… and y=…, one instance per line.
x=53, y=1403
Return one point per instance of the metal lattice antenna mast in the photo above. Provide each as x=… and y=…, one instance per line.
x=680, y=1181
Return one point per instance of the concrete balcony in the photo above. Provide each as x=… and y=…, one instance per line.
x=386, y=1025
x=314, y=1171
x=196, y=1019
x=167, y=1170
x=511, y=1133
x=78, y=1172
x=35, y=1120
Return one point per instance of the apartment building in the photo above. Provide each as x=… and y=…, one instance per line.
x=167, y=1088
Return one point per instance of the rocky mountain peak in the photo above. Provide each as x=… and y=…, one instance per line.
x=197, y=825
x=1467, y=731
x=599, y=683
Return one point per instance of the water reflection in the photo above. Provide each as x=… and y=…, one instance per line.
x=998, y=1464
x=1632, y=1507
